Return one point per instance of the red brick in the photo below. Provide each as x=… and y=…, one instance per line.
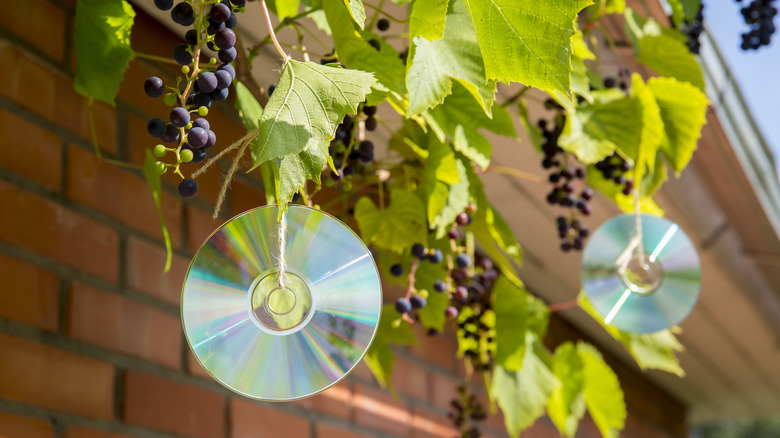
x=195, y=368
x=30, y=151
x=84, y=432
x=439, y=350
x=362, y=371
x=53, y=231
x=110, y=321
x=119, y=194
x=50, y=94
x=329, y=431
x=443, y=390
x=146, y=271
x=17, y=426
x=254, y=420
x=334, y=401
x=200, y=225
x=39, y=22
x=378, y=410
x=29, y=294
x=426, y=424
x=157, y=403
x=43, y=376
x=410, y=378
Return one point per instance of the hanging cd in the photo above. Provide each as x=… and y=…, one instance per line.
x=641, y=288
x=272, y=343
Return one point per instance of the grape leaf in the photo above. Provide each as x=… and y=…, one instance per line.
x=456, y=56
x=603, y=395
x=683, y=110
x=523, y=394
x=426, y=19
x=357, y=11
x=596, y=130
x=309, y=102
x=403, y=221
x=528, y=42
x=684, y=10
x=461, y=117
x=652, y=131
x=446, y=187
x=567, y=403
x=153, y=179
x=102, y=40
x=649, y=350
x=517, y=312
x=432, y=315
x=392, y=330
x=355, y=52
x=250, y=110
x=285, y=8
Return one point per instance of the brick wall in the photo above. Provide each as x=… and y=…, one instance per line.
x=91, y=344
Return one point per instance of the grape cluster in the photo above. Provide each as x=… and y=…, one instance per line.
x=693, y=29
x=187, y=135
x=616, y=169
x=564, y=180
x=465, y=408
x=759, y=15
x=349, y=154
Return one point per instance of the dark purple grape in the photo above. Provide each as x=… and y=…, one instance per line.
x=402, y=305
x=568, y=187
x=231, y=22
x=156, y=127
x=183, y=14
x=212, y=140
x=463, y=219
x=191, y=37
x=584, y=232
x=230, y=69
x=227, y=55
x=567, y=173
x=436, y=257
x=587, y=210
x=198, y=155
x=197, y=137
x=375, y=44
x=565, y=246
x=366, y=158
x=369, y=110
x=579, y=173
x=451, y=312
x=417, y=301
x=238, y=3
x=371, y=124
x=163, y=5
x=171, y=134
x=201, y=123
x=461, y=293
x=182, y=55
x=207, y=82
x=201, y=99
x=215, y=27
x=383, y=24
x=223, y=79
x=154, y=87
x=462, y=260
x=188, y=188
x=219, y=95
x=418, y=250
x=453, y=234
x=366, y=148
x=180, y=117
x=225, y=39
x=587, y=194
x=271, y=89
x=439, y=286
x=397, y=270
x=220, y=13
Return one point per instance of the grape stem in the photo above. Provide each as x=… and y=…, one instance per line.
x=516, y=173
x=412, y=273
x=272, y=34
x=563, y=306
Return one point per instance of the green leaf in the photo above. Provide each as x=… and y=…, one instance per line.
x=461, y=117
x=102, y=39
x=526, y=41
x=250, y=110
x=596, y=130
x=523, y=394
x=286, y=8
x=403, y=221
x=380, y=360
x=153, y=179
x=684, y=10
x=517, y=312
x=357, y=11
x=426, y=19
x=354, y=52
x=446, y=187
x=649, y=350
x=652, y=129
x=613, y=191
x=432, y=315
x=309, y=102
x=603, y=395
x=392, y=330
x=684, y=111
x=567, y=403
x=456, y=56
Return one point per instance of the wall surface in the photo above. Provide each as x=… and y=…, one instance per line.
x=91, y=344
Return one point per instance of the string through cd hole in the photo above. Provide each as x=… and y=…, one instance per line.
x=642, y=275
x=280, y=301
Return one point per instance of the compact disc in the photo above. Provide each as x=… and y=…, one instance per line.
x=641, y=292
x=272, y=343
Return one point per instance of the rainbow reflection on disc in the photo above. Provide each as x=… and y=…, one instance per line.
x=641, y=294
x=281, y=344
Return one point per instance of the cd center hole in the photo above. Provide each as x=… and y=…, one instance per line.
x=281, y=301
x=642, y=277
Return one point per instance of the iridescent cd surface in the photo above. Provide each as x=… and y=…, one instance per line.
x=281, y=344
x=641, y=294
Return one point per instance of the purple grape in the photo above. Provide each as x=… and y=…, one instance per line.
x=366, y=148
x=180, y=117
x=202, y=99
x=223, y=79
x=397, y=270
x=436, y=257
x=463, y=219
x=191, y=37
x=230, y=69
x=198, y=155
x=171, y=134
x=461, y=293
x=154, y=87
x=231, y=22
x=212, y=139
x=371, y=124
x=225, y=39
x=197, y=137
x=451, y=312
x=238, y=3
x=220, y=13
x=271, y=89
x=219, y=95
x=227, y=55
x=439, y=286
x=207, y=82
x=201, y=123
x=188, y=188
x=163, y=5
x=417, y=301
x=215, y=27
x=183, y=14
x=181, y=55
x=463, y=260
x=156, y=127
x=402, y=305
x=418, y=250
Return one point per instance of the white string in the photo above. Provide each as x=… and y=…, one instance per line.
x=638, y=225
x=282, y=243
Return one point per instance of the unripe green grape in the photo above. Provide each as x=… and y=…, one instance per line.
x=188, y=126
x=213, y=61
x=169, y=99
x=159, y=151
x=329, y=182
x=186, y=155
x=347, y=186
x=161, y=167
x=203, y=111
x=185, y=69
